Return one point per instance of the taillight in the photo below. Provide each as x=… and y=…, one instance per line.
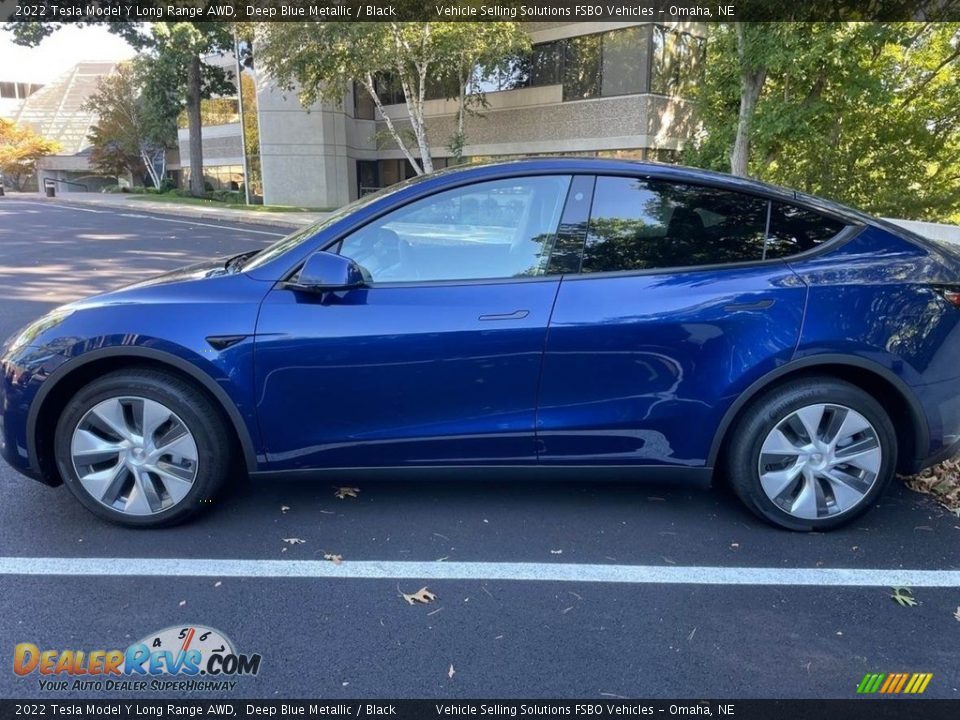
x=950, y=293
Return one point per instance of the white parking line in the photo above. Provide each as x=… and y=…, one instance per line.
x=534, y=572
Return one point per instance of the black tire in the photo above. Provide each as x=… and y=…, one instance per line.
x=190, y=404
x=762, y=415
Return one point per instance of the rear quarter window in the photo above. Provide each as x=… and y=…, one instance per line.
x=795, y=230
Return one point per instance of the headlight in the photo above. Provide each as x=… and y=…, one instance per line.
x=31, y=331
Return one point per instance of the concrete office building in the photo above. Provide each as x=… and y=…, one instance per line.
x=610, y=89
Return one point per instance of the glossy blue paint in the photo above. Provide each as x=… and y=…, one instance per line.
x=630, y=368
x=635, y=361
x=402, y=375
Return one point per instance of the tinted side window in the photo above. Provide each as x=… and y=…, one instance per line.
x=496, y=229
x=794, y=230
x=639, y=224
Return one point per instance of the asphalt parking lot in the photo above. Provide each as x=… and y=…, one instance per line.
x=717, y=605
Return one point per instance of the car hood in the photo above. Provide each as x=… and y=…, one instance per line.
x=197, y=271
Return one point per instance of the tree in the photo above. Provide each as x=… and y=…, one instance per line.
x=134, y=128
x=20, y=148
x=866, y=113
x=178, y=51
x=484, y=49
x=322, y=59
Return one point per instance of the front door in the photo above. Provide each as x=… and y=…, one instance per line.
x=437, y=359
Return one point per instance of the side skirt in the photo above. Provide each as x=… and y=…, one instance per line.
x=696, y=476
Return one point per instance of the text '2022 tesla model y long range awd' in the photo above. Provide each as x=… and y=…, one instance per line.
x=563, y=316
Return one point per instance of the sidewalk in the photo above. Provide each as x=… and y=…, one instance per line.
x=133, y=203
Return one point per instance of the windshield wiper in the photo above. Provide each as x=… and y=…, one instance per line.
x=235, y=264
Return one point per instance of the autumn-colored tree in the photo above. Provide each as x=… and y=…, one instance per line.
x=131, y=133
x=20, y=148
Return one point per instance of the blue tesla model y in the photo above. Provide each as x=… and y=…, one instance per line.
x=561, y=317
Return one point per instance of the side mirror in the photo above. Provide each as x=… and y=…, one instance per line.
x=324, y=271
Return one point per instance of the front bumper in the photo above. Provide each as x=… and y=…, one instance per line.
x=21, y=375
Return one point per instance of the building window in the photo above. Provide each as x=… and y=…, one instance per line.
x=678, y=62
x=218, y=177
x=363, y=107
x=638, y=59
x=582, y=67
x=626, y=59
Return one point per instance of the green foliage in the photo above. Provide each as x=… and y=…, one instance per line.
x=865, y=113
x=321, y=60
x=130, y=122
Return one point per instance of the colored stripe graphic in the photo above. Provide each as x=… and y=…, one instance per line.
x=894, y=683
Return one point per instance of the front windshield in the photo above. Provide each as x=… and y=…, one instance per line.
x=271, y=252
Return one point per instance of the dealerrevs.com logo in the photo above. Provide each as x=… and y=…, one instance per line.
x=174, y=659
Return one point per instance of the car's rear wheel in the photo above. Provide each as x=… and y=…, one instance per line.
x=142, y=448
x=812, y=454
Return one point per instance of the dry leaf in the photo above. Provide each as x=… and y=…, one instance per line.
x=284, y=509
x=942, y=482
x=556, y=552
x=956, y=615
x=294, y=541
x=217, y=583
x=345, y=492
x=182, y=603
x=420, y=596
x=451, y=672
x=335, y=559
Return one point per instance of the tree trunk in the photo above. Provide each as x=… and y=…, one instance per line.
x=751, y=84
x=195, y=125
x=151, y=169
x=370, y=88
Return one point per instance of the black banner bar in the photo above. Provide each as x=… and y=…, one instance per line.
x=476, y=10
x=604, y=709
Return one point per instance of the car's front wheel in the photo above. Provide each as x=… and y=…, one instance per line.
x=142, y=448
x=812, y=454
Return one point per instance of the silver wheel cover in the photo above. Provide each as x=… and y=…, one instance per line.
x=134, y=455
x=820, y=461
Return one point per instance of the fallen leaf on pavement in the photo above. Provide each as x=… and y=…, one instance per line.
x=345, y=492
x=335, y=559
x=556, y=552
x=284, y=509
x=294, y=541
x=903, y=596
x=182, y=603
x=956, y=615
x=420, y=596
x=451, y=672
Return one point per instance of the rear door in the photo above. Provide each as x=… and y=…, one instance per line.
x=668, y=313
